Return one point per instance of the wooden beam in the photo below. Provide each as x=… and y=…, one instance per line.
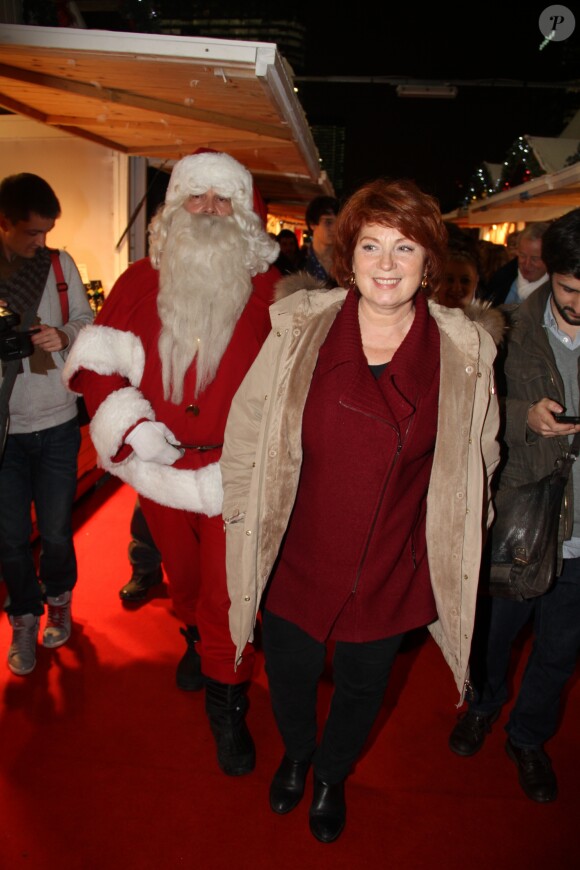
x=92, y=137
x=109, y=123
x=138, y=101
x=21, y=109
x=192, y=141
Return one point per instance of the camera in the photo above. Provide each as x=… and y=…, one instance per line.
x=13, y=344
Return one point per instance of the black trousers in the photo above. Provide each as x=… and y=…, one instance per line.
x=551, y=663
x=143, y=553
x=294, y=664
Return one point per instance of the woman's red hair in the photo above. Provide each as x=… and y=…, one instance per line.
x=398, y=204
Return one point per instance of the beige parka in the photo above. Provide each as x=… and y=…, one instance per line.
x=262, y=456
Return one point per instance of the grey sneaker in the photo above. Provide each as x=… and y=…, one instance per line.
x=22, y=652
x=59, y=623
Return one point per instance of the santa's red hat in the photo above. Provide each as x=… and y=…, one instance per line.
x=207, y=168
x=197, y=172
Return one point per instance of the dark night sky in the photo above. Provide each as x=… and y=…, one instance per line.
x=437, y=142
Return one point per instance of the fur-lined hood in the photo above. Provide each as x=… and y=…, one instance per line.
x=479, y=311
x=492, y=319
x=290, y=284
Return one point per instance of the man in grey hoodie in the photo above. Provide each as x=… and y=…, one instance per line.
x=40, y=433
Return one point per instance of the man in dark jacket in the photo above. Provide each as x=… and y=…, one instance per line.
x=541, y=377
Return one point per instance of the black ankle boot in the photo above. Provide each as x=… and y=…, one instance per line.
x=287, y=785
x=327, y=811
x=137, y=589
x=188, y=675
x=226, y=707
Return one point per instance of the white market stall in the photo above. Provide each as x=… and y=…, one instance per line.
x=100, y=106
x=91, y=110
x=543, y=198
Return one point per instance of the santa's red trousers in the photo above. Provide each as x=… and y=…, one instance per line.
x=193, y=550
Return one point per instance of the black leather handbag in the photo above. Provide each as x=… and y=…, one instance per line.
x=523, y=542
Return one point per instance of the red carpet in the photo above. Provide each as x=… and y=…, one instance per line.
x=106, y=764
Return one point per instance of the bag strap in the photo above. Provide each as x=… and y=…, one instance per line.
x=564, y=464
x=575, y=445
x=573, y=451
x=62, y=286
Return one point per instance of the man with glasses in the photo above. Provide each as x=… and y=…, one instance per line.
x=518, y=279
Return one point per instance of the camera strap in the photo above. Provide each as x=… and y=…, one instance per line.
x=62, y=287
x=61, y=284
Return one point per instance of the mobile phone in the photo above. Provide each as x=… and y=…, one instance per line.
x=566, y=418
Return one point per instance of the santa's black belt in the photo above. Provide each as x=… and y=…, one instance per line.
x=201, y=447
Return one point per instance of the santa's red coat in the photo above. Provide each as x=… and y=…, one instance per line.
x=115, y=364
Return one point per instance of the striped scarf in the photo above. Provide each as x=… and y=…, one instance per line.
x=21, y=292
x=23, y=289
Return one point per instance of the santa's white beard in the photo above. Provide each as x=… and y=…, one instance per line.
x=203, y=288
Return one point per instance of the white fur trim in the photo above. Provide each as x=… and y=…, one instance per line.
x=106, y=351
x=119, y=412
x=197, y=491
x=198, y=172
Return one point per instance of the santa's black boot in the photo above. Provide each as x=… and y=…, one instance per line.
x=226, y=707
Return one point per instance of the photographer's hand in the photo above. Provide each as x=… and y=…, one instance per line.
x=49, y=338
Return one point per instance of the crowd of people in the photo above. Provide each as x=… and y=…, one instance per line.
x=261, y=399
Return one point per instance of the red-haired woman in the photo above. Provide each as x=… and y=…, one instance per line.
x=356, y=465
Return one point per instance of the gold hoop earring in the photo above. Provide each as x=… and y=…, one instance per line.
x=424, y=282
x=352, y=281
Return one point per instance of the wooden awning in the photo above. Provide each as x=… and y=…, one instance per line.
x=541, y=199
x=162, y=97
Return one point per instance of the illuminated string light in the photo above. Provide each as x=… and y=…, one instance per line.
x=520, y=165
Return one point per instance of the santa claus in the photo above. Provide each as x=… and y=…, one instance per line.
x=158, y=371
